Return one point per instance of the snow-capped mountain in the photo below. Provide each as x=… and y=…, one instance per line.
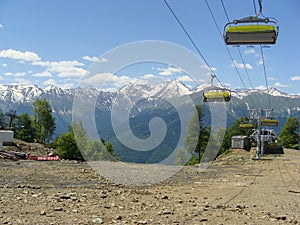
x=241, y=93
x=19, y=93
x=166, y=89
x=20, y=98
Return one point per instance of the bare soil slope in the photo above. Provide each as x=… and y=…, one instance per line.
x=233, y=190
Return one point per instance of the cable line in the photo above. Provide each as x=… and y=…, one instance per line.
x=246, y=70
x=265, y=74
x=245, y=67
x=262, y=54
x=194, y=44
x=225, y=11
x=227, y=49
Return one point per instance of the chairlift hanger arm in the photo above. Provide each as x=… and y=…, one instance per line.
x=260, y=8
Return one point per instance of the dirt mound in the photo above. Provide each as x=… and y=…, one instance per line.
x=28, y=148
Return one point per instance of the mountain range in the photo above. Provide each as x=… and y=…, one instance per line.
x=21, y=97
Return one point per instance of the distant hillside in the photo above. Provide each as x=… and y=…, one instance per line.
x=20, y=98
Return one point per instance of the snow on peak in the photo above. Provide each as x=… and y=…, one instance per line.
x=171, y=89
x=164, y=89
x=19, y=93
x=275, y=92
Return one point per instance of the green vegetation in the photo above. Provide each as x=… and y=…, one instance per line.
x=66, y=147
x=72, y=145
x=232, y=131
x=37, y=128
x=24, y=129
x=1, y=118
x=197, y=136
x=289, y=134
x=76, y=145
x=43, y=121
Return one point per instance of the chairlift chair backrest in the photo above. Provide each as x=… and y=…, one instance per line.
x=251, y=30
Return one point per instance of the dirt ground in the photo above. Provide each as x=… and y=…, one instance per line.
x=233, y=190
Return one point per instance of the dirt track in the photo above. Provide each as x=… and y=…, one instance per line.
x=233, y=190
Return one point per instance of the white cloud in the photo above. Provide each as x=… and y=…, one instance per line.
x=261, y=87
x=169, y=71
x=64, y=85
x=4, y=65
x=204, y=66
x=14, y=54
x=185, y=79
x=111, y=81
x=22, y=81
x=20, y=74
x=1, y=26
x=295, y=78
x=260, y=62
x=94, y=59
x=64, y=68
x=249, y=51
x=8, y=74
x=97, y=79
x=148, y=76
x=271, y=78
x=241, y=65
x=278, y=84
x=49, y=82
x=42, y=74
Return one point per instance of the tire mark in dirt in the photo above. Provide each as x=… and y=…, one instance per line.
x=288, y=175
x=255, y=175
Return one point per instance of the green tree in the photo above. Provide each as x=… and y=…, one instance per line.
x=109, y=149
x=2, y=120
x=181, y=157
x=44, y=122
x=289, y=134
x=23, y=128
x=66, y=147
x=191, y=142
x=232, y=131
x=76, y=145
x=197, y=135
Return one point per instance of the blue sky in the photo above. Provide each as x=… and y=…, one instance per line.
x=55, y=42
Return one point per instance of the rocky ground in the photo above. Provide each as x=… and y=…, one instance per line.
x=233, y=190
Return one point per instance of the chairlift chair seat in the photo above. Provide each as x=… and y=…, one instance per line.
x=250, y=34
x=216, y=96
x=269, y=122
x=246, y=125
